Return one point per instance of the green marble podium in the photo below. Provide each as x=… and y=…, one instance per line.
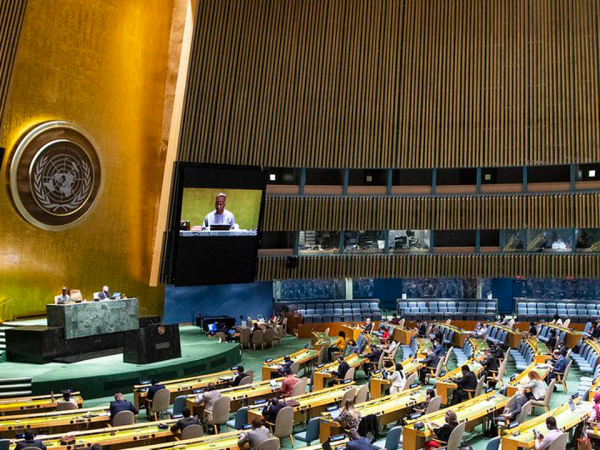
x=94, y=318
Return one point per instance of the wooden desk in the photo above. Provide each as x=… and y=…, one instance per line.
x=36, y=404
x=522, y=436
x=303, y=357
x=320, y=339
x=571, y=337
x=221, y=441
x=513, y=337
x=403, y=335
x=321, y=376
x=473, y=412
x=388, y=409
x=540, y=350
x=378, y=385
x=444, y=386
x=55, y=422
x=116, y=437
x=184, y=386
x=459, y=337
x=311, y=404
x=352, y=331
x=523, y=377
x=241, y=395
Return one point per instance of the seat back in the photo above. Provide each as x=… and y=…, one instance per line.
x=350, y=394
x=246, y=380
x=479, y=387
x=75, y=295
x=123, y=418
x=299, y=388
x=245, y=336
x=525, y=412
x=567, y=369
x=493, y=444
x=250, y=373
x=567, y=323
x=350, y=374
x=392, y=441
x=312, y=430
x=502, y=368
x=549, y=393
x=258, y=337
x=560, y=443
x=66, y=406
x=270, y=444
x=321, y=356
x=270, y=335
x=434, y=405
x=284, y=422
x=191, y=432
x=241, y=418
x=295, y=367
x=456, y=437
x=179, y=404
x=220, y=413
x=161, y=401
x=361, y=394
x=222, y=337
x=438, y=369
x=410, y=380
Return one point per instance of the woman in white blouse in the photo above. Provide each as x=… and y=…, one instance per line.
x=536, y=387
x=397, y=378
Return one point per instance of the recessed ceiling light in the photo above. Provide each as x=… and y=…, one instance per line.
x=272, y=177
x=369, y=178
x=488, y=177
x=592, y=173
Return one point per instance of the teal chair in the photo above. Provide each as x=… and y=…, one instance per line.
x=240, y=419
x=312, y=432
x=493, y=444
x=393, y=440
x=178, y=406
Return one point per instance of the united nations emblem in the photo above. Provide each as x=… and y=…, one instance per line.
x=55, y=175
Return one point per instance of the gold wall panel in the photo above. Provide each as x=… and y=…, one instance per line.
x=394, y=83
x=100, y=64
x=432, y=266
x=12, y=13
x=488, y=212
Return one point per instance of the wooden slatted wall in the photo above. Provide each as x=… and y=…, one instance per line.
x=432, y=266
x=394, y=83
x=332, y=213
x=12, y=13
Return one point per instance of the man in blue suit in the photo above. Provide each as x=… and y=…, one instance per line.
x=559, y=366
x=120, y=404
x=30, y=442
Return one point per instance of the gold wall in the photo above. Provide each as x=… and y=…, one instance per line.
x=101, y=64
x=394, y=83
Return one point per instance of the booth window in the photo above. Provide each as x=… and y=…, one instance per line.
x=409, y=241
x=318, y=242
x=364, y=241
x=514, y=241
x=549, y=241
x=588, y=239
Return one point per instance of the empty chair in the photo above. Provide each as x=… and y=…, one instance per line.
x=493, y=444
x=562, y=377
x=312, y=432
x=392, y=440
x=220, y=413
x=178, y=406
x=240, y=419
x=123, y=418
x=191, y=432
x=270, y=336
x=160, y=403
x=258, y=339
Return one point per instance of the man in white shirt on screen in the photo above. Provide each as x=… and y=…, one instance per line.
x=220, y=216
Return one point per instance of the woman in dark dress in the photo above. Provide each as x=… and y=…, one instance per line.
x=443, y=433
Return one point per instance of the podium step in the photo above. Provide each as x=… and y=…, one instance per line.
x=15, y=387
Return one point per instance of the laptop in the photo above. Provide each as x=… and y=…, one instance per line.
x=334, y=412
x=221, y=227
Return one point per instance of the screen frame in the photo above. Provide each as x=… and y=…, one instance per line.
x=173, y=234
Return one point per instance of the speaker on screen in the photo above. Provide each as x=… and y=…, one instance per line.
x=216, y=224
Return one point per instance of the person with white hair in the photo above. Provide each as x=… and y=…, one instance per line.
x=104, y=293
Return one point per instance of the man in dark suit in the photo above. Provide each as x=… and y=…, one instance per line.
x=120, y=404
x=509, y=414
x=490, y=366
x=30, y=441
x=368, y=326
x=287, y=364
x=104, y=294
x=559, y=366
x=153, y=389
x=185, y=421
x=373, y=359
x=468, y=381
x=421, y=329
x=438, y=348
x=239, y=376
x=270, y=411
x=357, y=442
x=429, y=363
x=343, y=367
